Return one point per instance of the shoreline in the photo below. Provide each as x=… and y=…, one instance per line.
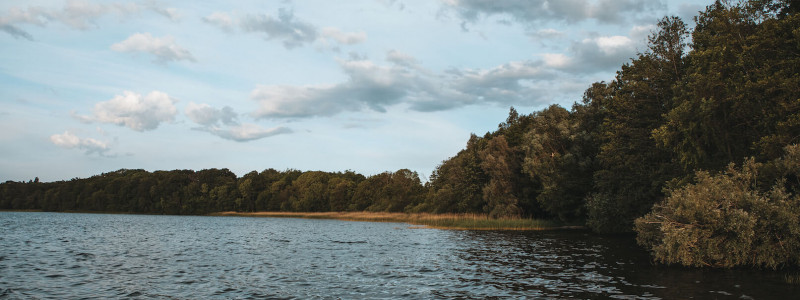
x=419, y=220
x=449, y=221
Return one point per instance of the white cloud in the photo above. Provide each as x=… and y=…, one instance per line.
x=168, y=12
x=10, y=21
x=369, y=86
x=640, y=33
x=603, y=53
x=510, y=83
x=75, y=14
x=538, y=12
x=404, y=81
x=206, y=115
x=344, y=38
x=286, y=28
x=591, y=55
x=80, y=14
x=132, y=110
x=245, y=132
x=611, y=45
x=556, y=60
x=402, y=59
x=164, y=49
x=222, y=123
x=547, y=33
x=69, y=141
x=221, y=20
x=622, y=11
x=376, y=87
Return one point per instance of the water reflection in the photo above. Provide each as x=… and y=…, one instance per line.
x=47, y=255
x=570, y=264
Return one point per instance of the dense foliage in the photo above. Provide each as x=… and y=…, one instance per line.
x=730, y=219
x=695, y=99
x=190, y=192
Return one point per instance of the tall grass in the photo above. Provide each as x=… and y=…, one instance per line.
x=443, y=221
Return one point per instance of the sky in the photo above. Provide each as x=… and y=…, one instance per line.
x=88, y=87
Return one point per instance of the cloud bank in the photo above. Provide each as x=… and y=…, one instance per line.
x=377, y=87
x=80, y=15
x=537, y=12
x=403, y=80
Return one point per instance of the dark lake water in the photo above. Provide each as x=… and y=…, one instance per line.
x=71, y=256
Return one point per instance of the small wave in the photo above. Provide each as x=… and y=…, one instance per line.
x=350, y=242
x=84, y=256
x=722, y=293
x=134, y=294
x=226, y=290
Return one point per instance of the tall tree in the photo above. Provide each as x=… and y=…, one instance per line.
x=632, y=169
x=499, y=163
x=741, y=92
x=555, y=159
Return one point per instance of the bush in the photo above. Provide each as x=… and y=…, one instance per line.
x=728, y=219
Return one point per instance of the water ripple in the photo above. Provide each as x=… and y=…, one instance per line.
x=56, y=256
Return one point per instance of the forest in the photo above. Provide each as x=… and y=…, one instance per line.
x=692, y=146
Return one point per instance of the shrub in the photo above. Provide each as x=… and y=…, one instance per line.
x=728, y=219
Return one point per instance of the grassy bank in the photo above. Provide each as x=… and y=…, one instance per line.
x=441, y=221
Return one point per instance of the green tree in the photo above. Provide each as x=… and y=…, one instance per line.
x=740, y=96
x=456, y=185
x=312, y=192
x=727, y=220
x=556, y=162
x=632, y=170
x=499, y=164
x=340, y=193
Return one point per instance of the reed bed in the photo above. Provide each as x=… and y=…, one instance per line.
x=441, y=221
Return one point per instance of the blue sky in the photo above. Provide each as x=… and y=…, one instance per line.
x=376, y=85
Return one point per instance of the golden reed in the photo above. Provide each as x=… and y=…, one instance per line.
x=440, y=221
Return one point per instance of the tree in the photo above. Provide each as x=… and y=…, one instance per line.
x=340, y=192
x=312, y=192
x=456, y=185
x=740, y=96
x=727, y=220
x=632, y=169
x=501, y=167
x=556, y=162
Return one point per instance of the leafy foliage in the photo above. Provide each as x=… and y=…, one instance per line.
x=728, y=220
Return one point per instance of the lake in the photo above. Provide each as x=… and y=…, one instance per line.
x=60, y=255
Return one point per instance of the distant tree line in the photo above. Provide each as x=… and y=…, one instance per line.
x=182, y=192
x=664, y=132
